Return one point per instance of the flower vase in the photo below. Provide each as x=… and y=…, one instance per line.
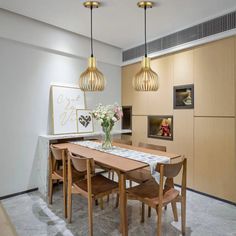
x=107, y=137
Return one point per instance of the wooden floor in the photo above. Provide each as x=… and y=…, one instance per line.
x=6, y=227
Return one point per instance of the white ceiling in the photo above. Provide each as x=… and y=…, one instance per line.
x=120, y=22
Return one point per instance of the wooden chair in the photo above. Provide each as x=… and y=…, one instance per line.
x=159, y=195
x=58, y=172
x=93, y=187
x=142, y=175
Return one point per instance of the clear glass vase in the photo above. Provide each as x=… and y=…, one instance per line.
x=107, y=144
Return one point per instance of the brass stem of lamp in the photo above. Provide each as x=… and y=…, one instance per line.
x=92, y=79
x=146, y=79
x=146, y=62
x=92, y=62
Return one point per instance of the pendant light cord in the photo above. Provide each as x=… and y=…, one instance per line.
x=91, y=26
x=145, y=29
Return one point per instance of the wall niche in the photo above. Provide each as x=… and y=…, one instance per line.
x=160, y=127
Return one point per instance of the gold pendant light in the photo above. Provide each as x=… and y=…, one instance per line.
x=92, y=79
x=146, y=79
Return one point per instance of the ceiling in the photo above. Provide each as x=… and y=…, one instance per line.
x=120, y=22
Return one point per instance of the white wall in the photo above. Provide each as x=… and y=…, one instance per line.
x=28, y=66
x=47, y=37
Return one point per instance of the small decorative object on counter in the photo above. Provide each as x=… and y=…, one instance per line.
x=107, y=116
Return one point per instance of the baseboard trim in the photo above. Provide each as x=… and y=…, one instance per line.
x=208, y=195
x=19, y=193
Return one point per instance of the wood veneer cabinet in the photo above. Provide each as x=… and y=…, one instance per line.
x=215, y=162
x=206, y=134
x=160, y=102
x=183, y=67
x=128, y=72
x=214, y=79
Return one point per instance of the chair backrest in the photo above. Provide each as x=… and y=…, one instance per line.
x=79, y=163
x=123, y=141
x=171, y=170
x=57, y=153
x=152, y=146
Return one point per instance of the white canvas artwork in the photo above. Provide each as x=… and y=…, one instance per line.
x=84, y=121
x=66, y=100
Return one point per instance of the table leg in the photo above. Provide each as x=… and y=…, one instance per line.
x=123, y=205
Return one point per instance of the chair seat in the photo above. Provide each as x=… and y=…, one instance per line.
x=140, y=175
x=75, y=174
x=100, y=185
x=148, y=192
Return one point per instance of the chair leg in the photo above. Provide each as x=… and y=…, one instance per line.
x=130, y=183
x=50, y=181
x=101, y=203
x=159, y=219
x=174, y=209
x=90, y=216
x=183, y=216
x=109, y=177
x=50, y=189
x=108, y=197
x=65, y=199
x=142, y=212
x=69, y=206
x=117, y=200
x=149, y=211
x=64, y=185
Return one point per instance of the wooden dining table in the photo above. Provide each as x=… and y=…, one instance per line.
x=120, y=165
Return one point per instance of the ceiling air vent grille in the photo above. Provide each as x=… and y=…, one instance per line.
x=205, y=29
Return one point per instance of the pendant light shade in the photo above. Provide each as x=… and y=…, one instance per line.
x=92, y=79
x=146, y=79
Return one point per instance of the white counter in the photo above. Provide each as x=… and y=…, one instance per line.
x=43, y=151
x=72, y=136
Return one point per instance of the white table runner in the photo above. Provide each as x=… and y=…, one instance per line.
x=150, y=159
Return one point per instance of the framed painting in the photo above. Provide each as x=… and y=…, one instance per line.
x=160, y=127
x=84, y=121
x=65, y=102
x=184, y=97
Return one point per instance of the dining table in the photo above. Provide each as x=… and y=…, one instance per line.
x=120, y=165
